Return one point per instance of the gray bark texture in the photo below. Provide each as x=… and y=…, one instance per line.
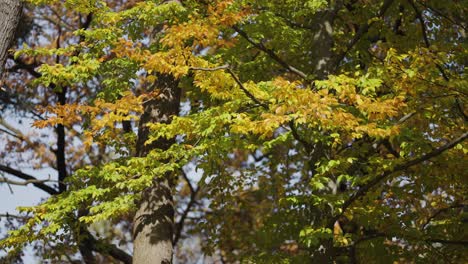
x=10, y=14
x=153, y=225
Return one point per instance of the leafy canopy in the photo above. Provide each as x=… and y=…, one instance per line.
x=371, y=157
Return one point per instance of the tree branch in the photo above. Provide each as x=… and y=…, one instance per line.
x=8, y=215
x=27, y=177
x=87, y=243
x=222, y=67
x=429, y=240
x=6, y=98
x=292, y=126
x=21, y=65
x=10, y=134
x=111, y=250
x=363, y=29
x=438, y=212
x=236, y=79
x=450, y=242
x=242, y=87
x=424, y=35
x=438, y=12
x=308, y=146
x=461, y=109
x=364, y=189
x=193, y=197
x=23, y=183
x=270, y=53
x=184, y=175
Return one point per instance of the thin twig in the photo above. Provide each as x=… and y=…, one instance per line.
x=4, y=179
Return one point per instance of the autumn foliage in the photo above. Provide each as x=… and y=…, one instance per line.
x=307, y=130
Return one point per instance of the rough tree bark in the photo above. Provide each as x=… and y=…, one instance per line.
x=10, y=14
x=153, y=225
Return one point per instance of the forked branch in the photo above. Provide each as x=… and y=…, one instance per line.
x=30, y=179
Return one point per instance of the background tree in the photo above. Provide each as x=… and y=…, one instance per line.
x=323, y=131
x=58, y=149
x=11, y=14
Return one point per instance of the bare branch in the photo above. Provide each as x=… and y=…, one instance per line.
x=386, y=143
x=8, y=183
x=7, y=100
x=12, y=131
x=8, y=215
x=23, y=183
x=21, y=65
x=10, y=134
x=28, y=177
x=429, y=240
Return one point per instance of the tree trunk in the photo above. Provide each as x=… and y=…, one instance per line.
x=323, y=66
x=153, y=225
x=323, y=44
x=10, y=14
